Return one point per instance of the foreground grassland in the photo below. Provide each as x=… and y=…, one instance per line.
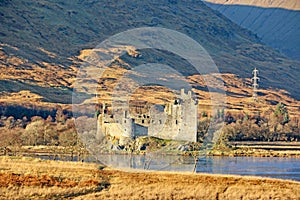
x=29, y=178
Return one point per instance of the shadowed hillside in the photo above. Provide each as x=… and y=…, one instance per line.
x=276, y=22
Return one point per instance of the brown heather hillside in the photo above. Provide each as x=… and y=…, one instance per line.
x=45, y=96
x=54, y=32
x=238, y=91
x=42, y=43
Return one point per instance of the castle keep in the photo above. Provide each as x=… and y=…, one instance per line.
x=176, y=120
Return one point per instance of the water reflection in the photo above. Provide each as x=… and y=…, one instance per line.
x=284, y=168
x=149, y=162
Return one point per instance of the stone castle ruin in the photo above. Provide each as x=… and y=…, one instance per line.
x=176, y=120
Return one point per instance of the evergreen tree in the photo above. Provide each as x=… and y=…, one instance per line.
x=281, y=113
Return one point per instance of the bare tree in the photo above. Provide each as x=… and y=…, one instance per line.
x=10, y=140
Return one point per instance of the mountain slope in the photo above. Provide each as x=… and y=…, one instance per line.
x=40, y=40
x=276, y=22
x=289, y=5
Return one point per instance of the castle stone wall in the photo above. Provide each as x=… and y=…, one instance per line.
x=178, y=121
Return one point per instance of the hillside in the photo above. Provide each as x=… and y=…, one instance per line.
x=276, y=22
x=41, y=44
x=289, y=5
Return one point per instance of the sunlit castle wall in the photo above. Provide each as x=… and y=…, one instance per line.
x=178, y=121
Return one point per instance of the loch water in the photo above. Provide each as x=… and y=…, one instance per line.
x=273, y=167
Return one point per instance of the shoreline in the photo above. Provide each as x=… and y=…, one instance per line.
x=242, y=151
x=256, y=153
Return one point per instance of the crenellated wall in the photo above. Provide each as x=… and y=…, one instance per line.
x=178, y=121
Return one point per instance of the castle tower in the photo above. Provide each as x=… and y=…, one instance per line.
x=179, y=120
x=116, y=125
x=127, y=125
x=188, y=117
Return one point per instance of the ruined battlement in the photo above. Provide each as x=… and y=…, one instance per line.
x=177, y=121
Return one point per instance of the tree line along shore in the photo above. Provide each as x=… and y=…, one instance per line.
x=56, y=134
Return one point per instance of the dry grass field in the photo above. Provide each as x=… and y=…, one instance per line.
x=29, y=178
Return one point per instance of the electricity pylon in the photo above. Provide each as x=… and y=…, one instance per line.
x=255, y=85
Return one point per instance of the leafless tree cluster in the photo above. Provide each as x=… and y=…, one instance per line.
x=271, y=125
x=59, y=133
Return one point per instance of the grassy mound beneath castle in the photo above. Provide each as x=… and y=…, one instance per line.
x=145, y=144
